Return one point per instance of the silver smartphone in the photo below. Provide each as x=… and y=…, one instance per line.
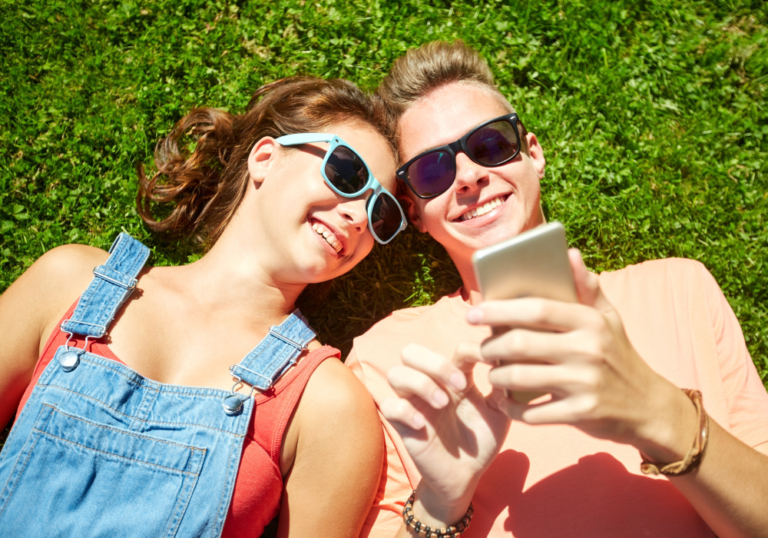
x=532, y=264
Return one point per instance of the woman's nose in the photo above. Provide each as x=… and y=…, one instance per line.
x=355, y=213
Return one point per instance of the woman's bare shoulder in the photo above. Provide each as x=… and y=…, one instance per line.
x=73, y=257
x=54, y=281
x=340, y=442
x=335, y=414
x=67, y=269
x=334, y=388
x=31, y=308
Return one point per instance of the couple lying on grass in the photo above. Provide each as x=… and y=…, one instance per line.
x=196, y=401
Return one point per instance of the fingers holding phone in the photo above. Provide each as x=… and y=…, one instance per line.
x=572, y=346
x=532, y=264
x=548, y=347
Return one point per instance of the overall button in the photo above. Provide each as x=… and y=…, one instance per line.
x=69, y=360
x=232, y=404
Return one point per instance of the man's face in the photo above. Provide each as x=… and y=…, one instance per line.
x=443, y=116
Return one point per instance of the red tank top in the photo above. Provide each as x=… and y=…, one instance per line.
x=259, y=483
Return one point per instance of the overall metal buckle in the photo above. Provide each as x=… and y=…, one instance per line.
x=233, y=403
x=71, y=357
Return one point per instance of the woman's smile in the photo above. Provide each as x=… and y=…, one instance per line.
x=331, y=238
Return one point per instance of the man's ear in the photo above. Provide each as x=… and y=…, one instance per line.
x=262, y=158
x=412, y=211
x=536, y=153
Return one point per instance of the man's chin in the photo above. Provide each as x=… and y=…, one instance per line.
x=465, y=241
x=496, y=235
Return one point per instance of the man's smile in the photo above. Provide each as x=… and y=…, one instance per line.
x=482, y=209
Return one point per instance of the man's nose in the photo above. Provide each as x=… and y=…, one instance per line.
x=469, y=174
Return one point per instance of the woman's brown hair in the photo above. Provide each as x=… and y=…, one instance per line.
x=206, y=185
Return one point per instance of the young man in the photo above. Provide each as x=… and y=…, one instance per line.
x=614, y=364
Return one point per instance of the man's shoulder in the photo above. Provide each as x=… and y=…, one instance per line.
x=663, y=266
x=671, y=271
x=416, y=315
x=421, y=324
x=671, y=283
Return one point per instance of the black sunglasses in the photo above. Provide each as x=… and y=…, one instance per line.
x=492, y=143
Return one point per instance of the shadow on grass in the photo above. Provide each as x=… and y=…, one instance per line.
x=413, y=270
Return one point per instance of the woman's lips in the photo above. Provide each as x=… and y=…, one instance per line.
x=323, y=231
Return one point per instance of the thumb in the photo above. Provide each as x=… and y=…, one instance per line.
x=466, y=355
x=587, y=284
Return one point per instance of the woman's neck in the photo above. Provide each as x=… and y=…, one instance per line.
x=230, y=280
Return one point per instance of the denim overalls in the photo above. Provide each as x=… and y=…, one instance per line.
x=99, y=450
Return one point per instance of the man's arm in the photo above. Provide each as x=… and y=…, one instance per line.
x=602, y=386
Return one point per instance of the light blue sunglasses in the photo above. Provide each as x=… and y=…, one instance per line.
x=346, y=174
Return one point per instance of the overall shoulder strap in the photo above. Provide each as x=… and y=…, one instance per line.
x=112, y=284
x=275, y=353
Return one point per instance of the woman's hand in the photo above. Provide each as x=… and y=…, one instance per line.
x=451, y=431
x=580, y=354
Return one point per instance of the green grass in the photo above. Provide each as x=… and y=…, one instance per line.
x=651, y=113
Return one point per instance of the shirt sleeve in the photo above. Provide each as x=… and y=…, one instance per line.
x=745, y=394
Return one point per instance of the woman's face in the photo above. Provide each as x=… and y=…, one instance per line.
x=312, y=234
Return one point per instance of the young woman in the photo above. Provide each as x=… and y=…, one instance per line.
x=195, y=400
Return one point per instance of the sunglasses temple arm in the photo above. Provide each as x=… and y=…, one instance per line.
x=304, y=138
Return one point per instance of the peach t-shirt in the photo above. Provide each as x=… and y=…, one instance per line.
x=555, y=481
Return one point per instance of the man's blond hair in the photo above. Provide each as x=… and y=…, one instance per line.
x=433, y=65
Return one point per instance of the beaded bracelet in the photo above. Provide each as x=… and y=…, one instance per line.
x=454, y=531
x=693, y=457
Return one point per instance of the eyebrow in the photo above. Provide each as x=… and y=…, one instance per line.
x=438, y=146
x=462, y=136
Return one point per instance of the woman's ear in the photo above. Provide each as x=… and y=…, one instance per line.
x=262, y=158
x=411, y=208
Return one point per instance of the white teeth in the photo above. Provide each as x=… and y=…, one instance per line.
x=328, y=235
x=482, y=210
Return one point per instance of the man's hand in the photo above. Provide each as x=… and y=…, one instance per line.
x=451, y=431
x=580, y=354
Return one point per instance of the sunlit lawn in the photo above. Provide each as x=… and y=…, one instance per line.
x=652, y=116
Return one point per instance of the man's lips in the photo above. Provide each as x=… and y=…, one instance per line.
x=478, y=210
x=330, y=235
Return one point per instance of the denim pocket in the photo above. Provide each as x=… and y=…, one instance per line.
x=78, y=478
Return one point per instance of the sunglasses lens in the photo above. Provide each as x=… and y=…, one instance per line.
x=432, y=174
x=494, y=143
x=385, y=217
x=346, y=171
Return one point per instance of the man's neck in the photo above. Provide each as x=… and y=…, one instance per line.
x=471, y=296
x=470, y=290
